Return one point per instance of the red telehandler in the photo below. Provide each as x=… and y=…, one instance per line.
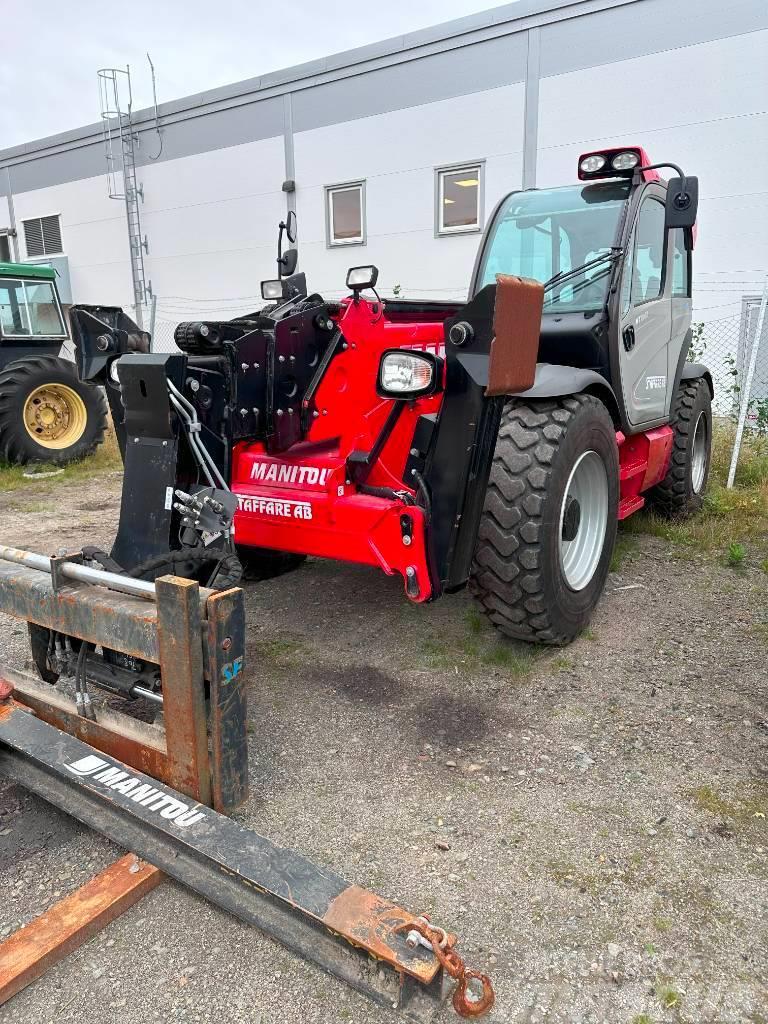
x=496, y=442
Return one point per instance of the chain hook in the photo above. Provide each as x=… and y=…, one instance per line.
x=465, y=1003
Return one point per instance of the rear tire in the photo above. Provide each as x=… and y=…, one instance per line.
x=681, y=492
x=47, y=414
x=549, y=523
x=264, y=564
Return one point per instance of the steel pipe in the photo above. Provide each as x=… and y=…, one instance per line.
x=81, y=573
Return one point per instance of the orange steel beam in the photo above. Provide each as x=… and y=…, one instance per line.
x=31, y=950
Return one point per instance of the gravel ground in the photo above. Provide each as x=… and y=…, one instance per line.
x=592, y=822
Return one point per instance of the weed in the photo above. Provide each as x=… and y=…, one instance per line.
x=751, y=803
x=650, y=949
x=641, y=1018
x=662, y=924
x=589, y=634
x=476, y=622
x=736, y=554
x=626, y=545
x=282, y=651
x=516, y=660
x=562, y=663
x=670, y=998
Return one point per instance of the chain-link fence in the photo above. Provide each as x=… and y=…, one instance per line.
x=726, y=345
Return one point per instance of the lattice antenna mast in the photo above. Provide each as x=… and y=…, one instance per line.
x=120, y=142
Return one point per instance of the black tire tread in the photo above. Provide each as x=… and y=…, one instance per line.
x=670, y=498
x=14, y=378
x=506, y=573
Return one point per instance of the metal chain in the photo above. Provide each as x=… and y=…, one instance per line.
x=438, y=941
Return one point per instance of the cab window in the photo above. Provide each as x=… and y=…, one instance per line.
x=680, y=265
x=648, y=255
x=29, y=309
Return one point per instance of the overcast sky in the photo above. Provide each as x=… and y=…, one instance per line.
x=52, y=49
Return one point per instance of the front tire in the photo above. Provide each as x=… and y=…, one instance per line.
x=550, y=517
x=265, y=564
x=47, y=414
x=681, y=492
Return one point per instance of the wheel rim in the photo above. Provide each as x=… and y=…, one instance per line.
x=55, y=416
x=583, y=520
x=699, y=453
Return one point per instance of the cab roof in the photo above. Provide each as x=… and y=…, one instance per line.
x=27, y=270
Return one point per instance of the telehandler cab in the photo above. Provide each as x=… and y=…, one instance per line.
x=495, y=442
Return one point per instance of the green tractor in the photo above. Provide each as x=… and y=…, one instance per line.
x=46, y=413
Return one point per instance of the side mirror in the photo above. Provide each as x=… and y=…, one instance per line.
x=288, y=262
x=682, y=202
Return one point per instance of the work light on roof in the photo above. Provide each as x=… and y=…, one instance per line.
x=625, y=161
x=611, y=163
x=592, y=163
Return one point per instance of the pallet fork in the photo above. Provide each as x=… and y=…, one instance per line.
x=165, y=797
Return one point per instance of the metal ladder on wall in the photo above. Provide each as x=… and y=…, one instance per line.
x=120, y=149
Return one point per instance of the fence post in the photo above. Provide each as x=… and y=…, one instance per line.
x=152, y=314
x=744, y=403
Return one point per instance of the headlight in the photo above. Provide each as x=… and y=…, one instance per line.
x=408, y=374
x=592, y=164
x=362, y=277
x=272, y=290
x=625, y=161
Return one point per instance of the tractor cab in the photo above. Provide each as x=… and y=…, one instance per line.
x=31, y=315
x=614, y=253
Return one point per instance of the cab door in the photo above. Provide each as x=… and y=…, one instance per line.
x=646, y=316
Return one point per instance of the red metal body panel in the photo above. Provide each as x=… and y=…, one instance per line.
x=643, y=462
x=302, y=501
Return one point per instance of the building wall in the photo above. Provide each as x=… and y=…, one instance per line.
x=525, y=88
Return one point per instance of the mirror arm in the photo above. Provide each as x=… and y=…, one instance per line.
x=280, y=262
x=683, y=198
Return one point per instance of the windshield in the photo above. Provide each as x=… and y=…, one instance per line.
x=29, y=309
x=541, y=233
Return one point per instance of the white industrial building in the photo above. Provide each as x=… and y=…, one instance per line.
x=398, y=152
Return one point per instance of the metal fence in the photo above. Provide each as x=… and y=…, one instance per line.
x=727, y=345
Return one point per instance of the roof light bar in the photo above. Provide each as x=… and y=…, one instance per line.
x=612, y=163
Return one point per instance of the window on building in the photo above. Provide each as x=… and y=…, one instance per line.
x=647, y=267
x=345, y=213
x=5, y=249
x=680, y=264
x=29, y=309
x=42, y=236
x=459, y=191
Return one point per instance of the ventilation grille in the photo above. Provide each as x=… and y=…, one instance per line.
x=42, y=236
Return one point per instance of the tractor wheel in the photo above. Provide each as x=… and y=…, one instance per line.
x=265, y=564
x=681, y=492
x=549, y=523
x=46, y=413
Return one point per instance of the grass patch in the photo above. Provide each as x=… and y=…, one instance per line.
x=479, y=646
x=669, y=997
x=729, y=519
x=744, y=807
x=626, y=545
x=106, y=459
x=282, y=651
x=736, y=554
